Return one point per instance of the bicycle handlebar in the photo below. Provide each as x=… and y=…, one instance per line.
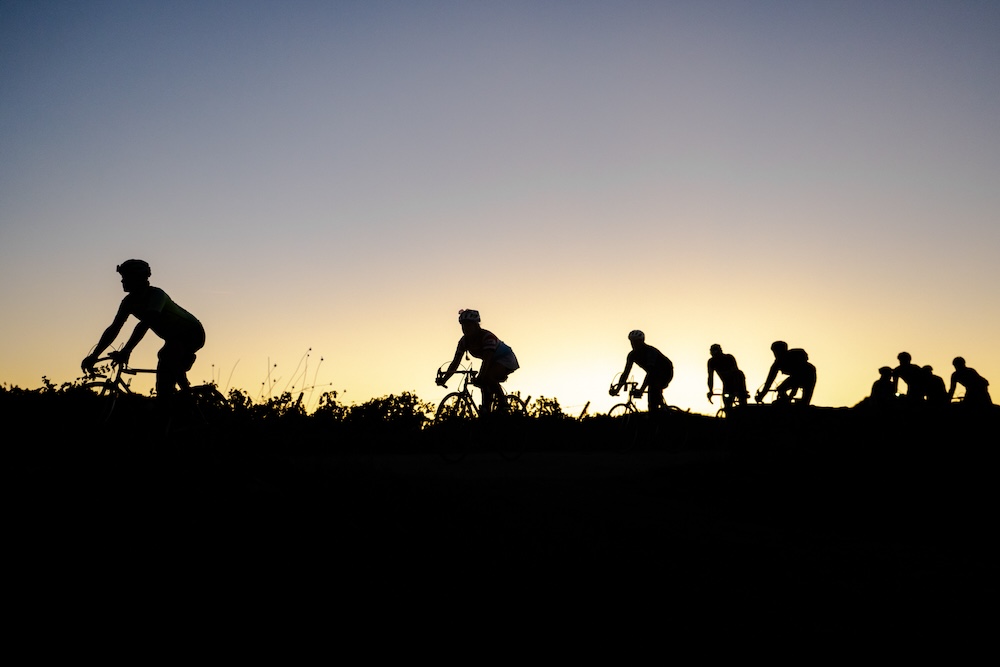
x=114, y=363
x=630, y=386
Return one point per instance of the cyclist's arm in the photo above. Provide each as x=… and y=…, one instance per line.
x=624, y=376
x=108, y=337
x=771, y=374
x=951, y=389
x=711, y=381
x=137, y=334
x=452, y=367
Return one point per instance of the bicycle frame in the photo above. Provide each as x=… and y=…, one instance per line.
x=108, y=382
x=628, y=407
x=108, y=378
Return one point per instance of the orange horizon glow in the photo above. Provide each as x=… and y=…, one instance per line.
x=344, y=179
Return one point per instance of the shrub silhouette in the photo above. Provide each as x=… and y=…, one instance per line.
x=403, y=412
x=543, y=407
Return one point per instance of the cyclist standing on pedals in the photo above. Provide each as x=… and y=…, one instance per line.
x=498, y=359
x=659, y=370
x=181, y=332
x=801, y=374
x=734, y=382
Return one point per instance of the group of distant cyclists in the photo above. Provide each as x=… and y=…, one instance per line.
x=794, y=363
x=924, y=387
x=183, y=336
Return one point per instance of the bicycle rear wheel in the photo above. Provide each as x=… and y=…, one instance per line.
x=510, y=443
x=516, y=406
x=210, y=402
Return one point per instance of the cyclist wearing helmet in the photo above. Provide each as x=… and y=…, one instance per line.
x=181, y=332
x=734, y=382
x=801, y=374
x=498, y=359
x=659, y=370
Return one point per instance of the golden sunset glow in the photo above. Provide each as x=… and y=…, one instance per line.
x=344, y=178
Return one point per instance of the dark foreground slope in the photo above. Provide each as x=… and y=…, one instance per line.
x=831, y=520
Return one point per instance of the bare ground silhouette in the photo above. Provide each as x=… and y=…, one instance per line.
x=815, y=519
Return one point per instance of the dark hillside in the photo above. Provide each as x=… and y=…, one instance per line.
x=825, y=518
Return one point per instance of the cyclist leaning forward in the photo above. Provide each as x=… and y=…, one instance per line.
x=659, y=370
x=498, y=359
x=181, y=332
x=734, y=382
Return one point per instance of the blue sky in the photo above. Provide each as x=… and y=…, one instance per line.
x=345, y=176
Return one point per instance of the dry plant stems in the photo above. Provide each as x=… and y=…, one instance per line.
x=230, y=379
x=305, y=358
x=268, y=382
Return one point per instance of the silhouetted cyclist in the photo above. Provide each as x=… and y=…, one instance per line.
x=883, y=391
x=659, y=370
x=181, y=331
x=801, y=374
x=734, y=382
x=976, y=392
x=498, y=359
x=933, y=387
x=911, y=374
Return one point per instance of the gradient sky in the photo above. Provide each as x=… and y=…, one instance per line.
x=345, y=176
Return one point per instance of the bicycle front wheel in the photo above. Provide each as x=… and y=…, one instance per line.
x=455, y=405
x=621, y=410
x=107, y=396
x=454, y=414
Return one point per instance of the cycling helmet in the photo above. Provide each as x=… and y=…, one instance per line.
x=468, y=315
x=779, y=346
x=635, y=334
x=134, y=267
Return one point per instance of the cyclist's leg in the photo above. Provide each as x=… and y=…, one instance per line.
x=489, y=383
x=785, y=390
x=174, y=361
x=739, y=392
x=807, y=383
x=727, y=397
x=656, y=386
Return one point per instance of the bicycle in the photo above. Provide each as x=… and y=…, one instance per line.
x=630, y=413
x=723, y=411
x=459, y=407
x=630, y=407
x=202, y=403
x=779, y=398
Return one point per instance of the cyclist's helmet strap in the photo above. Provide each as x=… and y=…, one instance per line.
x=468, y=315
x=134, y=267
x=635, y=334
